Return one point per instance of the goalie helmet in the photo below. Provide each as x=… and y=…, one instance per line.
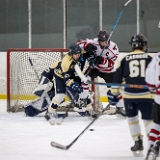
x=102, y=36
x=74, y=49
x=139, y=41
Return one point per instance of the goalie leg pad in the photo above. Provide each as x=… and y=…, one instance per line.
x=31, y=110
x=44, y=86
x=37, y=106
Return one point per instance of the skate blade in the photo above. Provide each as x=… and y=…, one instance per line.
x=138, y=153
x=151, y=156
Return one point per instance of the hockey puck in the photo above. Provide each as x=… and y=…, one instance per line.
x=91, y=129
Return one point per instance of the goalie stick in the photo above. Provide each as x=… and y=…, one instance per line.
x=116, y=22
x=119, y=85
x=30, y=61
x=60, y=146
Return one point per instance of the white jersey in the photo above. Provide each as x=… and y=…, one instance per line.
x=109, y=55
x=153, y=76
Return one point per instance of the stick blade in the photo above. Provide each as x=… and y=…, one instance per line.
x=57, y=145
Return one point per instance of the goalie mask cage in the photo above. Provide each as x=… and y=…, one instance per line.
x=22, y=80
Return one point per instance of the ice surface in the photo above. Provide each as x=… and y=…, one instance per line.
x=25, y=138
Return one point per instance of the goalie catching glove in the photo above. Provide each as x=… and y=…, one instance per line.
x=113, y=99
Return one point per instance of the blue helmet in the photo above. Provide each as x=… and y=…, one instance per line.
x=74, y=49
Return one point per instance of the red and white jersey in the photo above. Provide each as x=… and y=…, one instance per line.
x=153, y=76
x=109, y=55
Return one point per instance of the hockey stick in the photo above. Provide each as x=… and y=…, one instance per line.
x=66, y=113
x=30, y=61
x=116, y=22
x=118, y=18
x=60, y=146
x=119, y=85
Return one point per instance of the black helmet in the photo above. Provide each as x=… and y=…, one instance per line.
x=138, y=41
x=102, y=36
x=74, y=49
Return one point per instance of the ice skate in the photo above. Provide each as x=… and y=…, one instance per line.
x=153, y=152
x=137, y=149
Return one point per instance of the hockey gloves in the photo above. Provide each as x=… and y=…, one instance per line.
x=91, y=60
x=99, y=60
x=90, y=47
x=113, y=99
x=76, y=87
x=95, y=60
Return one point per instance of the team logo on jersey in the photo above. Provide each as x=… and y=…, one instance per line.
x=107, y=53
x=115, y=48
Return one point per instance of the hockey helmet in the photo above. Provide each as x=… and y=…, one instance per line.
x=102, y=36
x=139, y=41
x=74, y=49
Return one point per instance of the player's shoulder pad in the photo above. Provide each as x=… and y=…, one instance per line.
x=54, y=65
x=66, y=63
x=119, y=59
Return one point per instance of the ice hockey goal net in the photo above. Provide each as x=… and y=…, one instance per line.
x=21, y=78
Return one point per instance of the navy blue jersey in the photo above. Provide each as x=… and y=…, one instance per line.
x=131, y=69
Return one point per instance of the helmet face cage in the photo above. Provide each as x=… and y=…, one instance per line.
x=74, y=49
x=102, y=36
x=138, y=41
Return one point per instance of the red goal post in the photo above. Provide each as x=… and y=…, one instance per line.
x=21, y=78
